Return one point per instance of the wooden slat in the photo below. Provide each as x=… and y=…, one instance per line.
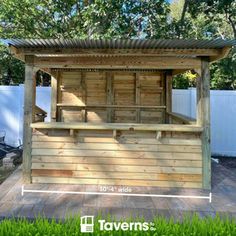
x=110, y=96
x=53, y=98
x=137, y=97
x=121, y=62
x=108, y=106
x=115, y=147
x=115, y=175
x=117, y=168
x=118, y=161
x=135, y=52
x=84, y=139
x=168, y=94
x=116, y=182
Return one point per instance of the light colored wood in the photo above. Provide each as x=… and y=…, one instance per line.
x=109, y=106
x=29, y=98
x=168, y=91
x=100, y=52
x=224, y=52
x=120, y=154
x=116, y=182
x=205, y=122
x=117, y=168
x=182, y=118
x=118, y=161
x=115, y=175
x=85, y=95
x=117, y=147
x=121, y=62
x=117, y=126
x=59, y=95
x=163, y=96
x=85, y=139
x=137, y=97
x=53, y=98
x=110, y=96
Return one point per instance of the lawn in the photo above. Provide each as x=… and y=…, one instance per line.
x=189, y=226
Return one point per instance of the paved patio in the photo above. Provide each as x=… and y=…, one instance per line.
x=62, y=205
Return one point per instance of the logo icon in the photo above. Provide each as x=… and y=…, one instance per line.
x=86, y=224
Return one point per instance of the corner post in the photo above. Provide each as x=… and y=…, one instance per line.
x=29, y=106
x=203, y=119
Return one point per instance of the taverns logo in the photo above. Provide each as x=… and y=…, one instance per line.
x=87, y=225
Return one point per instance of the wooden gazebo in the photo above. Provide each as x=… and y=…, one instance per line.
x=111, y=112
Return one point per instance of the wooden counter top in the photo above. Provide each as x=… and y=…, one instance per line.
x=116, y=126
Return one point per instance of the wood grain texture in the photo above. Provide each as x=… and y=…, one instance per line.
x=135, y=156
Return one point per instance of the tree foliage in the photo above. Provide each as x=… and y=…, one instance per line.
x=199, y=19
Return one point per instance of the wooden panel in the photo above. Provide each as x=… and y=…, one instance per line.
x=132, y=158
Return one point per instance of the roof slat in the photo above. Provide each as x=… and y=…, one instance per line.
x=121, y=43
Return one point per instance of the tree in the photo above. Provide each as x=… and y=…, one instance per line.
x=207, y=19
x=81, y=19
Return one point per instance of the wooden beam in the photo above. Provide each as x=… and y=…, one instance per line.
x=110, y=106
x=177, y=72
x=117, y=126
x=84, y=90
x=132, y=52
x=182, y=118
x=223, y=53
x=59, y=94
x=29, y=103
x=198, y=94
x=53, y=98
x=120, y=62
x=110, y=96
x=137, y=97
x=204, y=120
x=163, y=95
x=168, y=91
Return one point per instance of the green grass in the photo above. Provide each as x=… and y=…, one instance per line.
x=190, y=226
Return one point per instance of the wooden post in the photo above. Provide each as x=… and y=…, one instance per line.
x=54, y=98
x=168, y=91
x=59, y=95
x=163, y=95
x=203, y=119
x=137, y=97
x=110, y=95
x=84, y=92
x=29, y=99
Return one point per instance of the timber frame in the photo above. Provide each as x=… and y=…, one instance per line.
x=173, y=150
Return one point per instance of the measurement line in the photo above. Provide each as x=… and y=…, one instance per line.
x=23, y=190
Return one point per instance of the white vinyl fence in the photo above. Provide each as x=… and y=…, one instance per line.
x=223, y=114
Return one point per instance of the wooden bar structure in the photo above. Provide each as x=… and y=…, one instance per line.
x=111, y=112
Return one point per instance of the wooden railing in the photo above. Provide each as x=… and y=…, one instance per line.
x=182, y=119
x=40, y=114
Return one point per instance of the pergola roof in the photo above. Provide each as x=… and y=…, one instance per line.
x=118, y=53
x=121, y=43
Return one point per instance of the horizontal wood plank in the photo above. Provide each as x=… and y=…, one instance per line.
x=55, y=180
x=117, y=168
x=118, y=161
x=116, y=175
